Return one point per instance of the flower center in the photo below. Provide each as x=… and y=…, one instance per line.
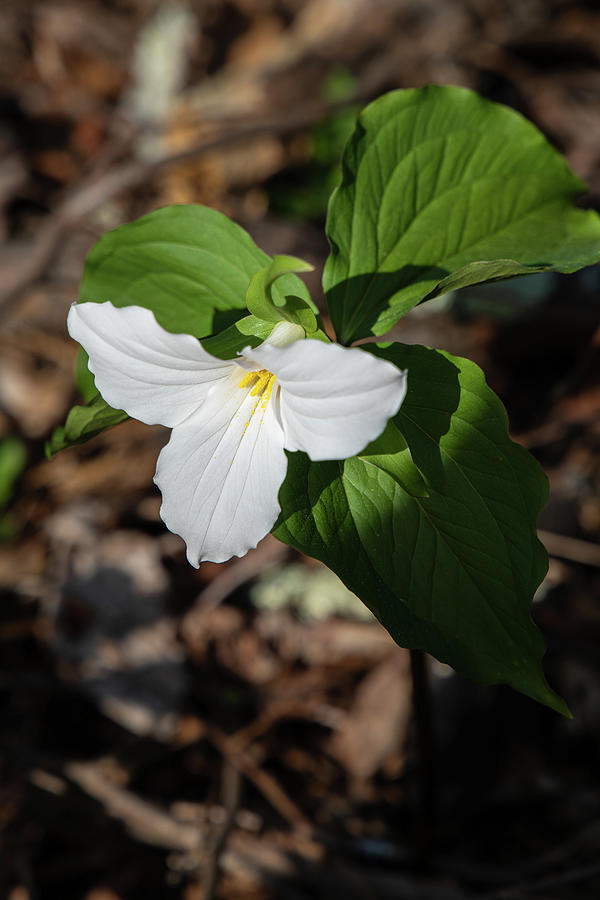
x=262, y=382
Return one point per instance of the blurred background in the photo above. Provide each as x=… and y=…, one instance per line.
x=246, y=731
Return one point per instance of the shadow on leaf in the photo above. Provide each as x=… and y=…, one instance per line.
x=359, y=303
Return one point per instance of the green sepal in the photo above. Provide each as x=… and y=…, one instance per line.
x=263, y=304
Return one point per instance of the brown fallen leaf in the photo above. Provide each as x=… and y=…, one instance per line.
x=375, y=725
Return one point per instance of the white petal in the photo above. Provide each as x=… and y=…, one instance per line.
x=221, y=472
x=155, y=376
x=334, y=400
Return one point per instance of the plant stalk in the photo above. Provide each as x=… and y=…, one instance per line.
x=426, y=764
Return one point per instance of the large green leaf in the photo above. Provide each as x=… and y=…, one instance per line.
x=435, y=180
x=453, y=569
x=190, y=265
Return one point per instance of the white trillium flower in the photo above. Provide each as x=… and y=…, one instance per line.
x=232, y=420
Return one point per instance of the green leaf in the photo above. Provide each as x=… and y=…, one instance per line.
x=440, y=189
x=190, y=265
x=83, y=423
x=13, y=457
x=452, y=572
x=391, y=454
x=483, y=271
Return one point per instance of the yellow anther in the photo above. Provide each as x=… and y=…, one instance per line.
x=263, y=388
x=264, y=381
x=268, y=389
x=248, y=379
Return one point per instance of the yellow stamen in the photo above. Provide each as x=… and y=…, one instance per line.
x=263, y=387
x=264, y=382
x=248, y=379
x=268, y=389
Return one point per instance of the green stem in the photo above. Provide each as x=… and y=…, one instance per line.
x=426, y=768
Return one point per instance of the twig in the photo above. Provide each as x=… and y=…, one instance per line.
x=143, y=820
x=274, y=713
x=265, y=783
x=571, y=548
x=268, y=552
x=238, y=573
x=231, y=782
